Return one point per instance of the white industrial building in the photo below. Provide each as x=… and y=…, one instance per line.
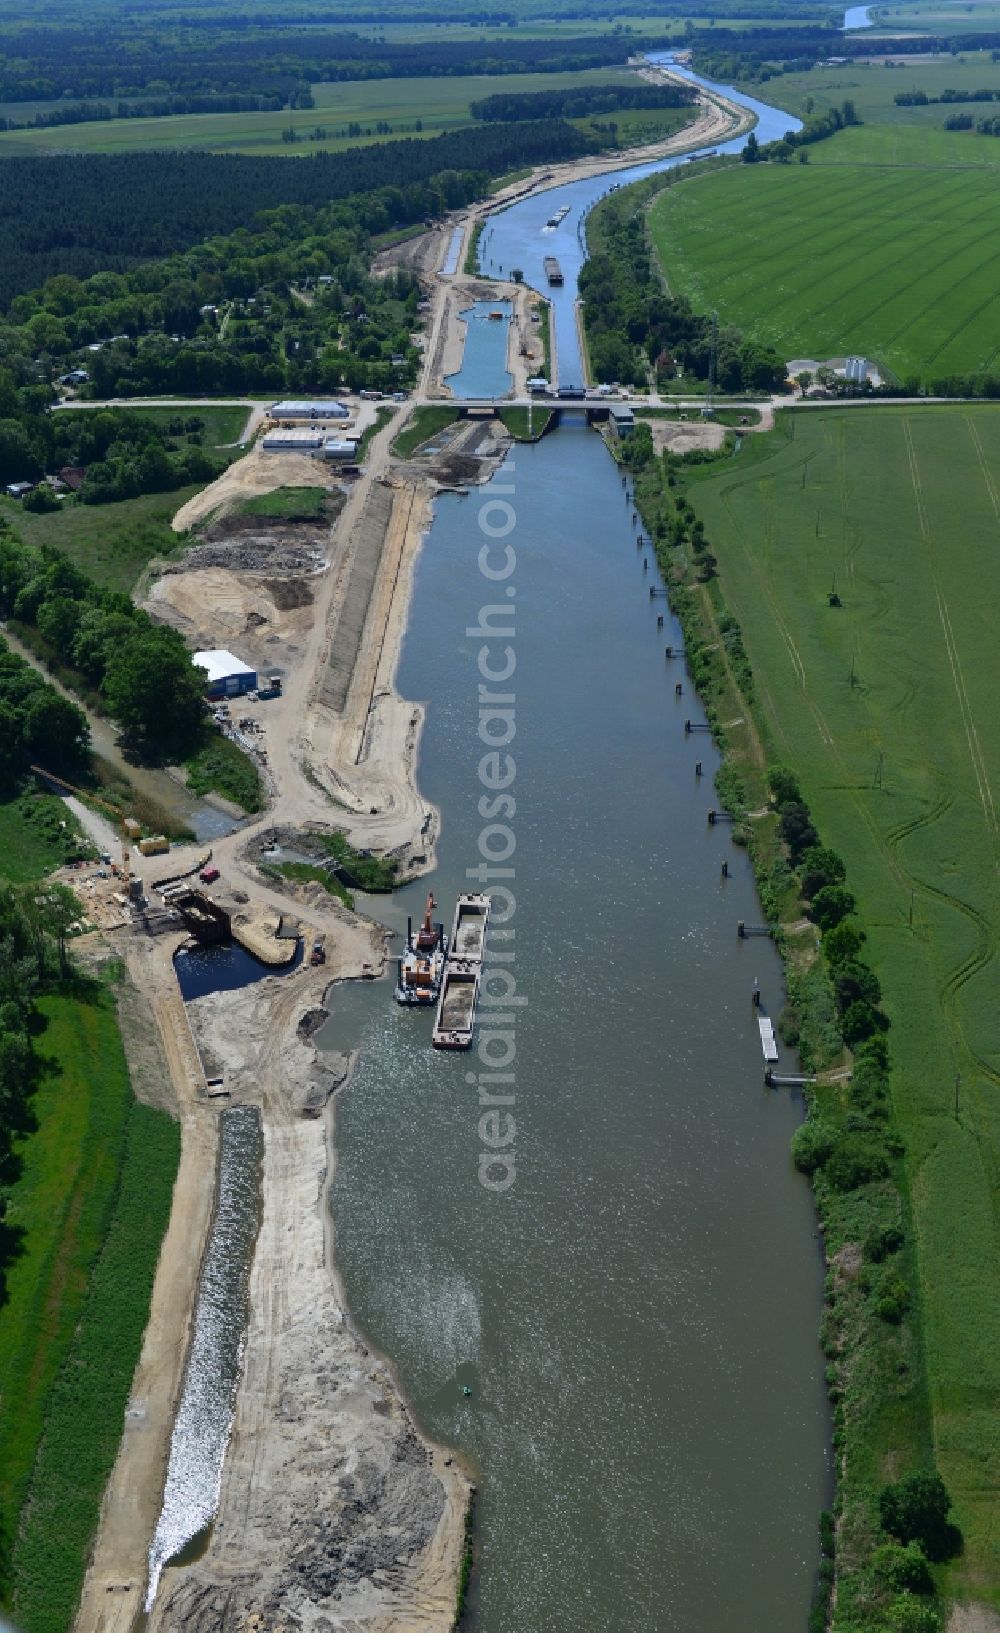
x=228, y=676
x=340, y=448
x=293, y=440
x=318, y=410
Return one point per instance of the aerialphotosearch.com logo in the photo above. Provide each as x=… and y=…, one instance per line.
x=500, y=1002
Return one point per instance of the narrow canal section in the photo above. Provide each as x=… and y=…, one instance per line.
x=622, y=1340
x=208, y=1399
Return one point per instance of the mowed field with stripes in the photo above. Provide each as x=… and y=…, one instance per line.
x=896, y=262
x=900, y=686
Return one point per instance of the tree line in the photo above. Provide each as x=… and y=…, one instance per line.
x=123, y=454
x=141, y=670
x=577, y=104
x=635, y=328
x=95, y=62
x=87, y=113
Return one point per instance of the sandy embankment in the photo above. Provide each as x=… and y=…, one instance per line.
x=334, y=1511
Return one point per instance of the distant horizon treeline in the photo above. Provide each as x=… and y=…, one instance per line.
x=95, y=62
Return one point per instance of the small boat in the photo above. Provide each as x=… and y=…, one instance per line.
x=422, y=964
x=496, y=316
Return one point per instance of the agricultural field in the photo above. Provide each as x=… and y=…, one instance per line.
x=821, y=260
x=932, y=16
x=404, y=107
x=885, y=708
x=873, y=87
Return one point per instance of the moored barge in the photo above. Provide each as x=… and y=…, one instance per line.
x=456, y=1011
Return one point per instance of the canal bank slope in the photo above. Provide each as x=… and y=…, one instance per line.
x=334, y=1511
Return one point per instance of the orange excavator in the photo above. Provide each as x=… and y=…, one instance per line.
x=429, y=934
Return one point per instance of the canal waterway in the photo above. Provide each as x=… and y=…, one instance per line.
x=636, y=1316
x=484, y=359
x=519, y=237
x=205, y=1414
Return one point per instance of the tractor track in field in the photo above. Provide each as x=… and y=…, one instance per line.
x=965, y=708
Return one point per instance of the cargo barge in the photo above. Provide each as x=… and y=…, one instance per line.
x=558, y=216
x=468, y=933
x=553, y=271
x=456, y=1011
x=422, y=964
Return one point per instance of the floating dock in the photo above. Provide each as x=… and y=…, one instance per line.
x=456, y=1011
x=553, y=271
x=767, y=1043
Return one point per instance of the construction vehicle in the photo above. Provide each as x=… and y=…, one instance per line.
x=133, y=885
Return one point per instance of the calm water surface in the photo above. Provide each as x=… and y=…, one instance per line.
x=636, y=1317
x=518, y=237
x=484, y=361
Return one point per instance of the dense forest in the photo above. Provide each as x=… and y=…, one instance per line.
x=81, y=214
x=36, y=723
x=635, y=328
x=578, y=103
x=141, y=669
x=289, y=306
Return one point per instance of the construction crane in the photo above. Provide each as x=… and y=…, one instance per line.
x=112, y=810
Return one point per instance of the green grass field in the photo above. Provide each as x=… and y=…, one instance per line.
x=935, y=18
x=114, y=543
x=287, y=504
x=902, y=506
x=423, y=424
x=873, y=87
x=897, y=264
x=92, y=1198
x=440, y=103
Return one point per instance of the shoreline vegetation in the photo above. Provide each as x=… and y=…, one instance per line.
x=849, y=1145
